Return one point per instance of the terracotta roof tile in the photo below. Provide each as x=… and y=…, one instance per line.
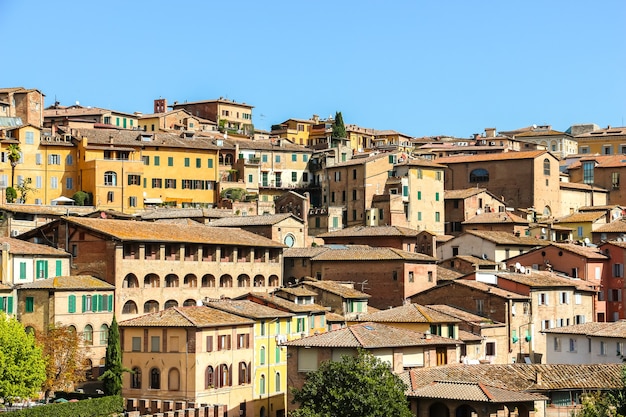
x=131, y=230
x=496, y=217
x=587, y=216
x=585, y=251
x=22, y=247
x=246, y=308
x=193, y=316
x=473, y=391
x=370, y=336
x=539, y=279
x=522, y=377
x=616, y=226
x=369, y=253
x=615, y=329
x=463, y=315
x=336, y=287
x=445, y=274
x=505, y=156
x=481, y=286
x=367, y=231
x=408, y=313
x=506, y=238
x=262, y=220
x=288, y=305
x=73, y=282
x=462, y=194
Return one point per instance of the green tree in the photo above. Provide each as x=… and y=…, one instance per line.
x=65, y=358
x=339, y=129
x=14, y=154
x=11, y=194
x=24, y=188
x=610, y=403
x=22, y=365
x=81, y=198
x=355, y=386
x=113, y=368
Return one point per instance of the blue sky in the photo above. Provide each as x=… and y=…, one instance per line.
x=423, y=68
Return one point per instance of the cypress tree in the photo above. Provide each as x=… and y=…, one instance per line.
x=113, y=368
x=339, y=129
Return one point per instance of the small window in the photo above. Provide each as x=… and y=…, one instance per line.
x=136, y=344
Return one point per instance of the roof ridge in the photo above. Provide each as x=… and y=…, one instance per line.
x=485, y=391
x=185, y=316
x=419, y=308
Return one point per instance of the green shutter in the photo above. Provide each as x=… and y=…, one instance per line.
x=71, y=307
x=10, y=306
x=94, y=303
x=30, y=304
x=59, y=268
x=157, y=160
x=22, y=270
x=210, y=162
x=110, y=306
x=2, y=303
x=84, y=303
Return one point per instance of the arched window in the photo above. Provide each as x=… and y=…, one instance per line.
x=479, y=175
x=208, y=281
x=226, y=281
x=546, y=166
x=130, y=281
x=173, y=380
x=262, y=355
x=277, y=382
x=274, y=281
x=209, y=377
x=110, y=178
x=71, y=328
x=135, y=378
x=171, y=280
x=243, y=373
x=151, y=306
x=262, y=385
x=190, y=281
x=130, y=307
x=88, y=335
x=104, y=334
x=189, y=302
x=243, y=281
x=224, y=376
x=155, y=378
x=151, y=281
x=259, y=281
x=170, y=304
x=30, y=330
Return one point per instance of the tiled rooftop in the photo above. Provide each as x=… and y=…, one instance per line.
x=504, y=156
x=262, y=220
x=496, y=217
x=370, y=336
x=22, y=247
x=246, y=308
x=371, y=231
x=368, y=253
x=539, y=279
x=445, y=274
x=462, y=314
x=522, y=377
x=585, y=251
x=462, y=194
x=408, y=313
x=131, y=230
x=616, y=226
x=72, y=282
x=473, y=391
x=288, y=305
x=336, y=287
x=506, y=238
x=615, y=329
x=481, y=286
x=587, y=216
x=194, y=316
x=175, y=213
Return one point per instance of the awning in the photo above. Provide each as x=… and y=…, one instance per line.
x=152, y=201
x=62, y=200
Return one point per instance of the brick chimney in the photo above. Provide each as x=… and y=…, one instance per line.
x=160, y=105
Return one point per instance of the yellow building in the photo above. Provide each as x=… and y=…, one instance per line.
x=194, y=354
x=269, y=369
x=180, y=120
x=421, y=186
x=128, y=170
x=360, y=138
x=295, y=130
x=228, y=114
x=609, y=141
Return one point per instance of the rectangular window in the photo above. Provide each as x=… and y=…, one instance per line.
x=155, y=344
x=210, y=163
x=54, y=183
x=618, y=270
x=37, y=159
x=436, y=196
x=294, y=157
x=30, y=304
x=30, y=138
x=277, y=158
x=134, y=179
x=419, y=195
x=145, y=160
x=170, y=161
x=437, y=216
x=41, y=269
x=170, y=183
x=58, y=268
x=186, y=162
x=157, y=161
x=294, y=176
x=136, y=344
x=264, y=158
x=209, y=343
x=132, y=201
x=198, y=163
x=22, y=270
x=69, y=183
x=157, y=183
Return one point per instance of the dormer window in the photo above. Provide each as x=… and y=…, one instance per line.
x=145, y=138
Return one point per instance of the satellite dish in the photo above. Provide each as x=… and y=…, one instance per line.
x=479, y=211
x=517, y=266
x=587, y=241
x=484, y=256
x=543, y=230
x=522, y=270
